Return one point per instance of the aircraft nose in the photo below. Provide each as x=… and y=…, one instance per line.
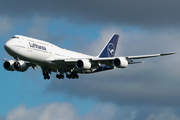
x=7, y=45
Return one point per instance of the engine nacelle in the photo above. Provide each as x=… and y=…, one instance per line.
x=120, y=62
x=83, y=64
x=8, y=65
x=20, y=66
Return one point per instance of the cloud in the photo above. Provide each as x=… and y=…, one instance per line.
x=5, y=25
x=64, y=111
x=99, y=111
x=167, y=114
x=51, y=111
x=134, y=13
x=99, y=43
x=41, y=28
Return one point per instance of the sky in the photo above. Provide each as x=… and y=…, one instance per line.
x=147, y=91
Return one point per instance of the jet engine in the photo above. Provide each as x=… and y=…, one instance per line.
x=20, y=66
x=8, y=65
x=83, y=64
x=120, y=62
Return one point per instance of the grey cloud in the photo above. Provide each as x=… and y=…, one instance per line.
x=121, y=89
x=137, y=13
x=6, y=25
x=39, y=30
x=165, y=114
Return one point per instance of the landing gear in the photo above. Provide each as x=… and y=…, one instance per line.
x=60, y=76
x=72, y=75
x=16, y=63
x=46, y=74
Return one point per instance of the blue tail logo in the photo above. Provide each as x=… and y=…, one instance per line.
x=110, y=48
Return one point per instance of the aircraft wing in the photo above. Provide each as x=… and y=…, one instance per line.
x=70, y=63
x=149, y=56
x=133, y=57
x=106, y=60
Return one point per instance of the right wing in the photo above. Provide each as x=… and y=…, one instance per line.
x=107, y=60
x=149, y=56
x=95, y=62
x=130, y=58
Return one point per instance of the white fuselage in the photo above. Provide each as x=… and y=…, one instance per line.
x=38, y=51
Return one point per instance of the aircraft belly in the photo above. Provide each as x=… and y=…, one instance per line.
x=68, y=67
x=62, y=66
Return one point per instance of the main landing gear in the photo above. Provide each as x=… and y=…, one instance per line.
x=60, y=76
x=46, y=74
x=69, y=75
x=72, y=75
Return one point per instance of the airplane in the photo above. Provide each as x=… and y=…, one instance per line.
x=29, y=52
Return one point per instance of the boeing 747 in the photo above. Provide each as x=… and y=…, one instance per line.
x=29, y=52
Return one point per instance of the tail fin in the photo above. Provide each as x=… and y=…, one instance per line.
x=110, y=48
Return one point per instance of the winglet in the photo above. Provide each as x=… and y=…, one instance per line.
x=110, y=48
x=168, y=53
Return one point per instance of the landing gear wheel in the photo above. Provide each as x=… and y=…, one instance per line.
x=72, y=75
x=46, y=74
x=61, y=76
x=77, y=76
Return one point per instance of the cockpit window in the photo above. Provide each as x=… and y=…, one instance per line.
x=15, y=37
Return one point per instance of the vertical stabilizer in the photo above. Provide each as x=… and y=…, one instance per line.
x=110, y=48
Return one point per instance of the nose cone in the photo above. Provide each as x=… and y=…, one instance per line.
x=7, y=46
x=10, y=48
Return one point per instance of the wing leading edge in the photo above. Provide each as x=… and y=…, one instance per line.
x=149, y=56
